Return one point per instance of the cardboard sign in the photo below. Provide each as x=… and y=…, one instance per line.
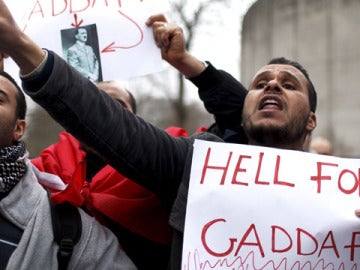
x=262, y=208
x=117, y=37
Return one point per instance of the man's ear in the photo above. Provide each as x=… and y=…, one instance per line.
x=311, y=125
x=19, y=129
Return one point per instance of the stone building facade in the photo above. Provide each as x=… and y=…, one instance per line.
x=324, y=36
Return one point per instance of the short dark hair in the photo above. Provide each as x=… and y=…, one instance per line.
x=311, y=88
x=132, y=100
x=78, y=28
x=20, y=111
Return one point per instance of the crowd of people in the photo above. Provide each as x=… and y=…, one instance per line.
x=128, y=178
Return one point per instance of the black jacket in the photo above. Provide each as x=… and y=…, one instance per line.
x=223, y=96
x=137, y=149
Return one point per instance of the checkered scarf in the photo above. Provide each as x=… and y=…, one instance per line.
x=12, y=168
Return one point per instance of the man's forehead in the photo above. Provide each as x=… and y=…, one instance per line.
x=280, y=69
x=7, y=86
x=114, y=91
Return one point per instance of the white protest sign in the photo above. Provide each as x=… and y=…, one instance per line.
x=116, y=32
x=261, y=208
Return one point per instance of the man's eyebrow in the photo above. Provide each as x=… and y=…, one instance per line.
x=283, y=72
x=264, y=73
x=3, y=93
x=291, y=75
x=120, y=101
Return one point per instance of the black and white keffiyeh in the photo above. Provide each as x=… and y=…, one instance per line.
x=12, y=168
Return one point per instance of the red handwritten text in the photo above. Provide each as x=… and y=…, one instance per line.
x=295, y=243
x=239, y=169
x=60, y=7
x=193, y=261
x=344, y=177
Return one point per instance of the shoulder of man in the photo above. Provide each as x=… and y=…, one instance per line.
x=207, y=136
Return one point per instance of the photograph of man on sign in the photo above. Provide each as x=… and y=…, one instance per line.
x=81, y=50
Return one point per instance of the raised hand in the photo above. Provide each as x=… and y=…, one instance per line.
x=169, y=37
x=15, y=43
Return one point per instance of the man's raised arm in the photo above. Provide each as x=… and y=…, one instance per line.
x=222, y=95
x=13, y=42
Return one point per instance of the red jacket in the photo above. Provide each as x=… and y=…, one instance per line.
x=109, y=193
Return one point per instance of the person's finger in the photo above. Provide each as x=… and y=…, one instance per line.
x=357, y=212
x=155, y=18
x=160, y=33
x=166, y=35
x=2, y=57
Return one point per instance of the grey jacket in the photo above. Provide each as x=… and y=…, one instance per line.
x=27, y=206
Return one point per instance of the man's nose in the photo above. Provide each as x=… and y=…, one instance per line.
x=272, y=85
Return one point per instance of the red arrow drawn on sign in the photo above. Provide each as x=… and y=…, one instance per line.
x=77, y=23
x=112, y=47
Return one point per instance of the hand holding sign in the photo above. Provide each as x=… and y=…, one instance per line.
x=170, y=39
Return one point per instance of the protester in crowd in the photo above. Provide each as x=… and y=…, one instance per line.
x=321, y=145
x=146, y=153
x=133, y=213
x=221, y=93
x=26, y=232
x=279, y=111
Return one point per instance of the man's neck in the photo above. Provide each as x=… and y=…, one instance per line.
x=80, y=43
x=292, y=146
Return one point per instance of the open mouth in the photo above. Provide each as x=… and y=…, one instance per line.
x=270, y=103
